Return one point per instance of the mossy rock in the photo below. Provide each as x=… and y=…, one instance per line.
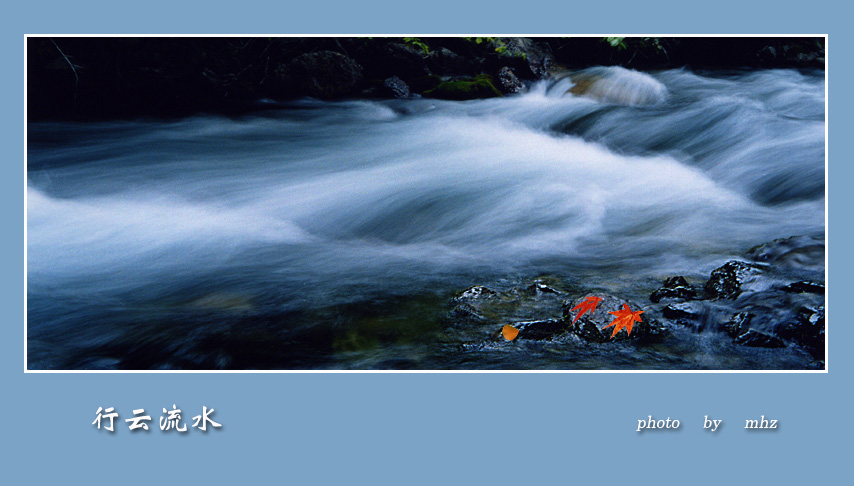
x=424, y=83
x=481, y=86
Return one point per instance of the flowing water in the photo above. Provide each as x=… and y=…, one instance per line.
x=332, y=234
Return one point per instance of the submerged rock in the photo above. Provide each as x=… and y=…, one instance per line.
x=540, y=330
x=807, y=330
x=804, y=287
x=795, y=253
x=618, y=85
x=674, y=288
x=739, y=327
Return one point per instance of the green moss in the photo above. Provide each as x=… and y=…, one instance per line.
x=481, y=86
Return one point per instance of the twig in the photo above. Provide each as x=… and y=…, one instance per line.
x=73, y=70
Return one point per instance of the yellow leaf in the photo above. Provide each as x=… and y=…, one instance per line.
x=509, y=332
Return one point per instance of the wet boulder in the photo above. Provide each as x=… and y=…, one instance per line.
x=674, y=289
x=687, y=314
x=591, y=326
x=802, y=253
x=807, y=329
x=532, y=301
x=739, y=327
x=804, y=287
x=726, y=282
x=618, y=85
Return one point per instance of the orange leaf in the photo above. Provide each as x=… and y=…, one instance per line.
x=589, y=305
x=509, y=332
x=625, y=318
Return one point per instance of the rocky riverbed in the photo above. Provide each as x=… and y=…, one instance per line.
x=763, y=312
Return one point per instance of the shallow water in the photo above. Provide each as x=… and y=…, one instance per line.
x=332, y=234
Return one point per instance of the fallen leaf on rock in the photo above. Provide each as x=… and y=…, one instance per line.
x=589, y=305
x=509, y=332
x=625, y=318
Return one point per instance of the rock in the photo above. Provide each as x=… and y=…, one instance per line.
x=423, y=83
x=590, y=325
x=322, y=74
x=540, y=330
x=726, y=282
x=687, y=314
x=540, y=288
x=797, y=252
x=739, y=328
x=394, y=87
x=674, y=288
x=394, y=59
x=758, y=339
x=508, y=81
x=804, y=287
x=532, y=59
x=475, y=293
x=448, y=63
x=479, y=313
x=807, y=330
x=618, y=85
x=767, y=55
x=481, y=86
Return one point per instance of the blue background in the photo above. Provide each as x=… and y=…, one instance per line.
x=410, y=428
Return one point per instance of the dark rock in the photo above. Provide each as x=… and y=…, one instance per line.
x=508, y=81
x=807, y=330
x=739, y=328
x=739, y=324
x=726, y=282
x=541, y=330
x=676, y=311
x=675, y=288
x=394, y=87
x=804, y=287
x=423, y=83
x=393, y=59
x=758, y=339
x=687, y=314
x=532, y=60
x=767, y=55
x=322, y=74
x=481, y=86
x=591, y=325
x=448, y=63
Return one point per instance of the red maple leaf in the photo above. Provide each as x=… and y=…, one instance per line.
x=625, y=318
x=589, y=305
